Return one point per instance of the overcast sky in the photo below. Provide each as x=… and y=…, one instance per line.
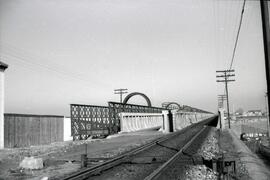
x=68, y=51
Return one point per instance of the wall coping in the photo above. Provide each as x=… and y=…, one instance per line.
x=31, y=115
x=3, y=66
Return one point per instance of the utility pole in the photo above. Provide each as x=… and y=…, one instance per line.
x=267, y=114
x=225, y=75
x=121, y=92
x=266, y=41
x=221, y=99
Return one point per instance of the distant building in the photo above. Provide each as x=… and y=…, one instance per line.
x=254, y=113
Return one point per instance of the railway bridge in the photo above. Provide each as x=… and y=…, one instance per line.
x=92, y=120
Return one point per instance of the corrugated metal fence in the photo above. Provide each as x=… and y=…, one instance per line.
x=25, y=130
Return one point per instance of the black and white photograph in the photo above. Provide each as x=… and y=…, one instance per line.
x=134, y=89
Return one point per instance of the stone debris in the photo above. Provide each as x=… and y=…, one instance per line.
x=200, y=172
x=242, y=172
x=18, y=172
x=126, y=173
x=46, y=150
x=209, y=149
x=31, y=163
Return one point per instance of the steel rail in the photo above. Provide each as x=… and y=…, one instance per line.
x=120, y=159
x=163, y=168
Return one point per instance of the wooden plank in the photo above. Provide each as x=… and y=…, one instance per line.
x=28, y=133
x=9, y=140
x=20, y=141
x=24, y=130
x=12, y=132
x=15, y=131
x=38, y=131
x=32, y=130
x=42, y=129
x=52, y=129
x=60, y=129
x=45, y=137
x=6, y=131
x=25, y=124
x=35, y=131
x=55, y=129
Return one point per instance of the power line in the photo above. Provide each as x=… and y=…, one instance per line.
x=238, y=32
x=17, y=56
x=22, y=56
x=36, y=68
x=226, y=80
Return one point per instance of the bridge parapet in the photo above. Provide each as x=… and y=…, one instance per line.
x=130, y=122
x=182, y=119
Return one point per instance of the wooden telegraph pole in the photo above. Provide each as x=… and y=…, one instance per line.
x=121, y=92
x=266, y=43
x=225, y=75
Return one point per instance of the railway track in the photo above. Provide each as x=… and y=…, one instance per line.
x=151, y=160
x=175, y=165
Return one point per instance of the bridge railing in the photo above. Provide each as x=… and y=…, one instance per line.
x=91, y=120
x=182, y=119
x=116, y=108
x=87, y=120
x=130, y=122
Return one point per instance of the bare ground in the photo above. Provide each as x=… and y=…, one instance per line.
x=63, y=158
x=228, y=148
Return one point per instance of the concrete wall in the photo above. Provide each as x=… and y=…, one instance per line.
x=1, y=109
x=183, y=119
x=140, y=121
x=67, y=129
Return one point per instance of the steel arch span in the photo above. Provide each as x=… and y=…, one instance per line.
x=173, y=103
x=140, y=94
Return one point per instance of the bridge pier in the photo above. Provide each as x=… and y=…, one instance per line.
x=221, y=121
x=2, y=69
x=167, y=121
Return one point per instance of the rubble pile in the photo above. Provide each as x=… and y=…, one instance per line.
x=31, y=163
x=209, y=149
x=200, y=172
x=242, y=172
